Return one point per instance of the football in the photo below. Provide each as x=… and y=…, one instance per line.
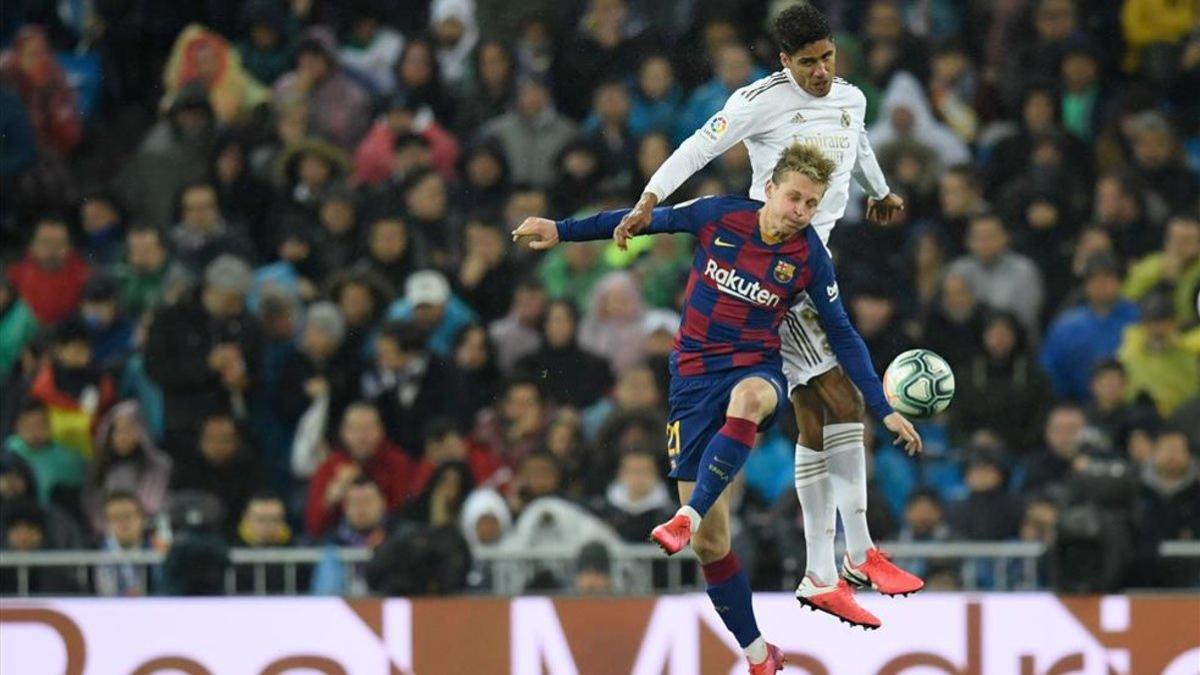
x=919, y=383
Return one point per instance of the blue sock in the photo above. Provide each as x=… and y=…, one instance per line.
x=722, y=459
x=729, y=590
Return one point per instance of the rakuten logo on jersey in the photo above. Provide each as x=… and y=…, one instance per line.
x=730, y=283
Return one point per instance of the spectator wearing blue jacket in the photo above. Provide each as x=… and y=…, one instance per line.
x=1084, y=336
x=656, y=98
x=734, y=69
x=428, y=301
x=19, y=150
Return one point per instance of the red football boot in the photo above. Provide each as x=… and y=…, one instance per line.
x=674, y=534
x=880, y=573
x=836, y=600
x=772, y=665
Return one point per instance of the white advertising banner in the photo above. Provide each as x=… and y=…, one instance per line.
x=959, y=634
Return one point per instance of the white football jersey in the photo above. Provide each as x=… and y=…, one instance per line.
x=771, y=114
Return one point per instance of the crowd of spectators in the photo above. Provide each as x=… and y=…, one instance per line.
x=258, y=288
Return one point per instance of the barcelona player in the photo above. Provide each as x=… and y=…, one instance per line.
x=751, y=261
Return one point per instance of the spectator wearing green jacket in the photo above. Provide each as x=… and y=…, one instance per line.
x=141, y=275
x=18, y=325
x=1163, y=362
x=53, y=464
x=1177, y=266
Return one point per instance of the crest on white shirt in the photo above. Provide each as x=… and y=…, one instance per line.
x=715, y=128
x=845, y=118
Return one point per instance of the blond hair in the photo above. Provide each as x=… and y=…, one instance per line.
x=805, y=160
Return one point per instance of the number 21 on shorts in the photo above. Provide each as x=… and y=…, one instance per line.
x=673, y=442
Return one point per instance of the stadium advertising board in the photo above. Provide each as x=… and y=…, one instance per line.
x=963, y=634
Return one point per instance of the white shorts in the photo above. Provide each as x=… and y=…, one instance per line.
x=805, y=347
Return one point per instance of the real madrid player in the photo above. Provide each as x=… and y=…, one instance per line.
x=805, y=103
x=751, y=261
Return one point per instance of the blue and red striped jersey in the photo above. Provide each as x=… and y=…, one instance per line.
x=740, y=288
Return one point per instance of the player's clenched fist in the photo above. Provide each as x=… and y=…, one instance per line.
x=884, y=211
x=542, y=233
x=636, y=221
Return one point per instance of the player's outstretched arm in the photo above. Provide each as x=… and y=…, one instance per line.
x=733, y=123
x=544, y=233
x=848, y=346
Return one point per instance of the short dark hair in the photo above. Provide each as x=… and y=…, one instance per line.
x=264, y=495
x=639, y=451
x=531, y=282
x=925, y=493
x=800, y=25
x=25, y=511
x=53, y=217
x=986, y=215
x=70, y=330
x=407, y=335
x=364, y=480
x=32, y=405
x=967, y=173
x=1108, y=366
x=142, y=228
x=407, y=139
x=438, y=428
x=122, y=495
x=523, y=380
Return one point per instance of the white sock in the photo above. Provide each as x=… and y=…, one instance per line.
x=845, y=454
x=820, y=514
x=756, y=651
x=692, y=515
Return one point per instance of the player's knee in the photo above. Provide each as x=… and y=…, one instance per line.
x=752, y=399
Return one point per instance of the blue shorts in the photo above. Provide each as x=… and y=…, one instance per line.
x=697, y=412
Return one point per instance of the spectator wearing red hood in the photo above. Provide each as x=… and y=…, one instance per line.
x=51, y=276
x=379, y=158
x=364, y=450
x=29, y=67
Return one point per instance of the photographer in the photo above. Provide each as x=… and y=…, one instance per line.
x=1094, y=548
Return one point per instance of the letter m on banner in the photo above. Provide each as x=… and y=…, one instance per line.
x=538, y=638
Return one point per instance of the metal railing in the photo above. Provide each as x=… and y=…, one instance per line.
x=1179, y=549
x=258, y=560
x=634, y=568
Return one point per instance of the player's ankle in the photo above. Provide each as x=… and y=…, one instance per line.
x=692, y=515
x=756, y=651
x=821, y=580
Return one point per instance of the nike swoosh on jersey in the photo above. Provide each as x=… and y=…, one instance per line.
x=726, y=244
